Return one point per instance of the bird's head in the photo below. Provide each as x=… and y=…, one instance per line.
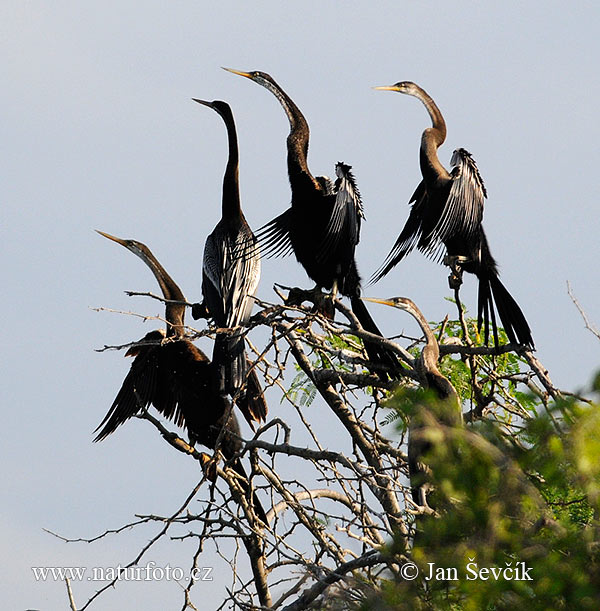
x=406, y=87
x=137, y=248
x=219, y=106
x=170, y=290
x=262, y=78
x=394, y=302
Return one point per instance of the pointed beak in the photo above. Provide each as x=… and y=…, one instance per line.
x=387, y=302
x=238, y=72
x=113, y=238
x=387, y=88
x=209, y=104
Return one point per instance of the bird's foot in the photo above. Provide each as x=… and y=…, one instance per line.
x=297, y=296
x=455, y=280
x=454, y=262
x=209, y=466
x=334, y=289
x=323, y=302
x=199, y=310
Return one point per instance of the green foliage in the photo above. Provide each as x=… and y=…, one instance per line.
x=302, y=389
x=505, y=366
x=526, y=500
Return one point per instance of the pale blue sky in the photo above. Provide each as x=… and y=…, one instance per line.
x=99, y=131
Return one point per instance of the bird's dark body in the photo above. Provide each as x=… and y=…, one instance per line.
x=225, y=307
x=310, y=213
x=237, y=238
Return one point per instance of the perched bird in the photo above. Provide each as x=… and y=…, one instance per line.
x=230, y=276
x=322, y=226
x=175, y=377
x=447, y=213
x=431, y=377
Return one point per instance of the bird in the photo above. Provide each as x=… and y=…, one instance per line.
x=230, y=277
x=432, y=378
x=174, y=376
x=447, y=214
x=322, y=225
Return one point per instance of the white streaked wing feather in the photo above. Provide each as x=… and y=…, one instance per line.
x=274, y=236
x=241, y=267
x=212, y=262
x=346, y=214
x=233, y=269
x=463, y=212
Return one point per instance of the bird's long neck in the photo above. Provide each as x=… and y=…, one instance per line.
x=432, y=138
x=232, y=209
x=429, y=362
x=297, y=140
x=174, y=312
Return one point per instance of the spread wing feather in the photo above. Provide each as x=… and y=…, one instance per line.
x=139, y=387
x=346, y=215
x=410, y=235
x=274, y=237
x=463, y=212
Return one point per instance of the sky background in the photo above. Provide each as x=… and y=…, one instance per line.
x=99, y=132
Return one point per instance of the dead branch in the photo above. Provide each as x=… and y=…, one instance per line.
x=371, y=558
x=70, y=594
x=588, y=325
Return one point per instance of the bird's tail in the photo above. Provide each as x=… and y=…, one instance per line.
x=237, y=379
x=245, y=484
x=251, y=400
x=493, y=293
x=378, y=354
x=229, y=359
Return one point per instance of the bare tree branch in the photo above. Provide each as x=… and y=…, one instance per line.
x=588, y=325
x=371, y=558
x=332, y=507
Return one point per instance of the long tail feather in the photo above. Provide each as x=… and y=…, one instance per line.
x=229, y=360
x=484, y=300
x=251, y=400
x=513, y=319
x=492, y=293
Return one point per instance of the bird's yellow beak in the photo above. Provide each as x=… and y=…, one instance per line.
x=387, y=88
x=112, y=237
x=238, y=72
x=387, y=302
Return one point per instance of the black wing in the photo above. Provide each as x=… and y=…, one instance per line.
x=410, y=234
x=140, y=387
